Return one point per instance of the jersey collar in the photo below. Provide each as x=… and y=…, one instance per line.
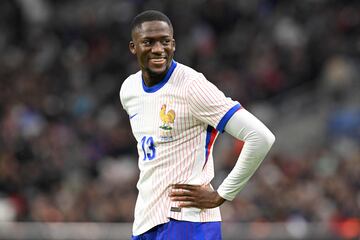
x=159, y=85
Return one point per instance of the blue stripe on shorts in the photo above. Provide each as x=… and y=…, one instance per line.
x=183, y=230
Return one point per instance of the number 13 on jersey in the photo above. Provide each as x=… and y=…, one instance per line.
x=148, y=147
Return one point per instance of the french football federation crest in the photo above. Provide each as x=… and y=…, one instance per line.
x=167, y=118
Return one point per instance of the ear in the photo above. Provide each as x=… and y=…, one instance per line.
x=132, y=47
x=174, y=45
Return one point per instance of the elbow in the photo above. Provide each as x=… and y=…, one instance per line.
x=272, y=138
x=269, y=139
x=262, y=140
x=265, y=139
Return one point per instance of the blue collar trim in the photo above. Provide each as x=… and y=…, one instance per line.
x=159, y=85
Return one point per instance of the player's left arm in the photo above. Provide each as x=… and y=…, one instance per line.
x=258, y=141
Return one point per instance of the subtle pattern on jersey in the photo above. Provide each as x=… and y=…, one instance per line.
x=180, y=152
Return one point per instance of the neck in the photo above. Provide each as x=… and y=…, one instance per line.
x=151, y=79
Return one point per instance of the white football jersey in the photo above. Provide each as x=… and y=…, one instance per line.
x=175, y=124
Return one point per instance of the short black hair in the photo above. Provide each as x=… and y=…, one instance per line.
x=148, y=16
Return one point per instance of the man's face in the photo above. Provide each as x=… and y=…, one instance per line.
x=154, y=46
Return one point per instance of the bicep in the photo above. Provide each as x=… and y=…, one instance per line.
x=243, y=125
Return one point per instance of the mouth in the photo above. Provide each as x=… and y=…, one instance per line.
x=158, y=61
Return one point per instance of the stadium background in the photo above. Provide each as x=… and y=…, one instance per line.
x=67, y=156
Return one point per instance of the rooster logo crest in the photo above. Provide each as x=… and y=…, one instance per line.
x=167, y=118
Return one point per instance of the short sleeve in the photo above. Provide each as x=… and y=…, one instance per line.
x=121, y=95
x=209, y=105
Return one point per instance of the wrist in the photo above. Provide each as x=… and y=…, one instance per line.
x=218, y=199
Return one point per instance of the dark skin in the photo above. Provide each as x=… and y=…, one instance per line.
x=153, y=44
x=198, y=196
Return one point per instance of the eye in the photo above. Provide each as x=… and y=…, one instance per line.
x=166, y=42
x=146, y=42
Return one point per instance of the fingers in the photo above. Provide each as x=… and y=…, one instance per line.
x=188, y=205
x=183, y=199
x=189, y=195
x=183, y=190
x=184, y=194
x=180, y=192
x=185, y=186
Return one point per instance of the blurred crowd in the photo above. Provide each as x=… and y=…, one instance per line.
x=66, y=148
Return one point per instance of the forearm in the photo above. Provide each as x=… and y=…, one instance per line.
x=258, y=141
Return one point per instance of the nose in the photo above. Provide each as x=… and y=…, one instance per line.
x=157, y=47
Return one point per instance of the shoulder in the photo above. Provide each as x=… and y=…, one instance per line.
x=191, y=76
x=128, y=88
x=129, y=83
x=187, y=71
x=186, y=75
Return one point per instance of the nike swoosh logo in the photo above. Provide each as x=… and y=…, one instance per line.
x=133, y=116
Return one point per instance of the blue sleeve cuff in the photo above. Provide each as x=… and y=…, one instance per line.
x=221, y=126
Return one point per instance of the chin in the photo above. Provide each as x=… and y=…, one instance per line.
x=157, y=71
